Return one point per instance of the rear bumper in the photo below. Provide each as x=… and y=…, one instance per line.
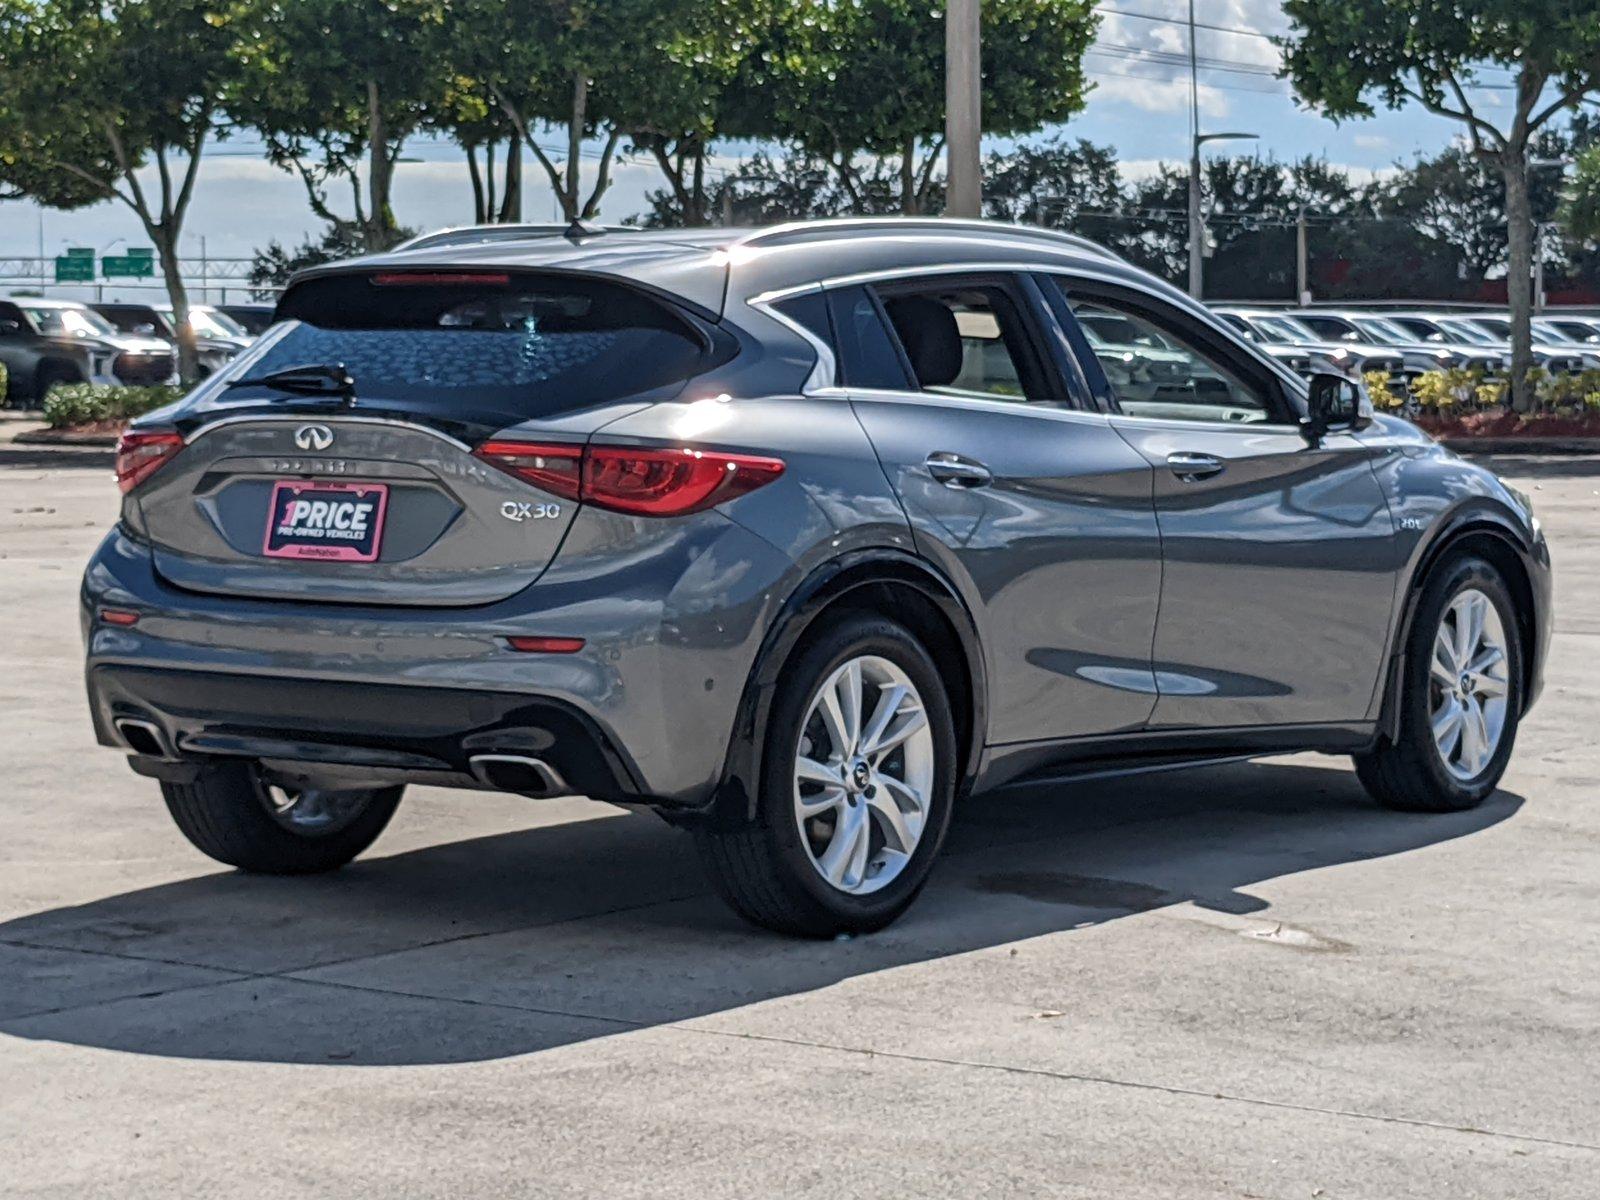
x=643, y=713
x=329, y=730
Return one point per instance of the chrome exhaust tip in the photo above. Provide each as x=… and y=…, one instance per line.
x=519, y=773
x=144, y=737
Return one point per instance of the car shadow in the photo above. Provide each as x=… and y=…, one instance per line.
x=521, y=942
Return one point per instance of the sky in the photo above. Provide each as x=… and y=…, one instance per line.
x=1139, y=106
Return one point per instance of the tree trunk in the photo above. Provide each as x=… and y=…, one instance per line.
x=478, y=207
x=1519, y=272
x=908, y=178
x=166, y=247
x=380, y=233
x=511, y=199
x=698, y=215
x=488, y=199
x=573, y=171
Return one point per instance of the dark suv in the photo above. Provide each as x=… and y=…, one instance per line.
x=793, y=536
x=48, y=342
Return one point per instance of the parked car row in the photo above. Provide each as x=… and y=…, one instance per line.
x=46, y=343
x=1405, y=344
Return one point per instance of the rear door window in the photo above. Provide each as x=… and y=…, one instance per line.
x=968, y=339
x=523, y=343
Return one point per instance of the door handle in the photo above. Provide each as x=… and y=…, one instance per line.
x=1191, y=467
x=954, y=471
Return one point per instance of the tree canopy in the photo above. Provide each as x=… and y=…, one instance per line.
x=1344, y=57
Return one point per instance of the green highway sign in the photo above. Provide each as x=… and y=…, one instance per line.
x=75, y=266
x=135, y=264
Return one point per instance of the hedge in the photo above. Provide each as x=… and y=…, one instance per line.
x=1461, y=391
x=72, y=404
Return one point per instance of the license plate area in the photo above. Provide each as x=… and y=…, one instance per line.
x=327, y=522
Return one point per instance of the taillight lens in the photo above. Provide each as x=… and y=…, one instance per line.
x=554, y=469
x=646, y=481
x=141, y=452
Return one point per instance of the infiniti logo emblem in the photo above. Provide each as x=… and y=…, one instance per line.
x=313, y=437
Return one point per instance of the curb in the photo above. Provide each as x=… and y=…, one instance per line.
x=1522, y=445
x=65, y=440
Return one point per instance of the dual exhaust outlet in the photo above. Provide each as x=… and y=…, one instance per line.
x=520, y=773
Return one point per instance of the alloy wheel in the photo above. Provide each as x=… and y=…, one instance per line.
x=1468, y=685
x=863, y=780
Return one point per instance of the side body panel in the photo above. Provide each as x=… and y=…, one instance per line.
x=1058, y=555
x=1279, y=576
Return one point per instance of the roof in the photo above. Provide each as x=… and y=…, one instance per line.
x=711, y=267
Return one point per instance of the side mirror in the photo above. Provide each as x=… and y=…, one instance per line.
x=9, y=327
x=1335, y=405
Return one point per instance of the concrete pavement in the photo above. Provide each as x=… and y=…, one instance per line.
x=1241, y=981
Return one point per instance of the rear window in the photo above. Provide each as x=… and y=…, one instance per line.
x=534, y=344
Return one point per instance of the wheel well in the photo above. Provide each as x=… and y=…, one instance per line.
x=53, y=370
x=909, y=606
x=1488, y=543
x=894, y=586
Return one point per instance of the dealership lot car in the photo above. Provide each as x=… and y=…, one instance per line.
x=218, y=337
x=44, y=343
x=792, y=536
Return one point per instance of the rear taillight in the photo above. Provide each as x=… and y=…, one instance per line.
x=646, y=481
x=554, y=469
x=141, y=452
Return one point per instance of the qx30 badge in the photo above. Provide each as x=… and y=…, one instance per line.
x=313, y=437
x=522, y=510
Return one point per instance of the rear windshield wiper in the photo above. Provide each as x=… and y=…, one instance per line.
x=307, y=379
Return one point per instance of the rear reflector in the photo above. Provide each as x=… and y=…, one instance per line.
x=140, y=452
x=546, y=645
x=119, y=616
x=646, y=481
x=440, y=279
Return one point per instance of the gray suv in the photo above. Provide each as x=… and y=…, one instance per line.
x=793, y=536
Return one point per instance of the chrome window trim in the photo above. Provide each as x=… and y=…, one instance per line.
x=762, y=303
x=825, y=371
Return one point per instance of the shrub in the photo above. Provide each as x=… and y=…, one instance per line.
x=1382, y=395
x=74, y=404
x=4, y=380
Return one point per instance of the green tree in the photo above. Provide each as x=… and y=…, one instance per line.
x=1344, y=56
x=590, y=68
x=98, y=95
x=470, y=116
x=1580, y=209
x=853, y=82
x=334, y=86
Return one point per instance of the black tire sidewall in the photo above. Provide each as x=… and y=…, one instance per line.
x=819, y=657
x=1416, y=732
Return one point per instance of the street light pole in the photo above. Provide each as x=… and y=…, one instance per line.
x=1196, y=264
x=963, y=83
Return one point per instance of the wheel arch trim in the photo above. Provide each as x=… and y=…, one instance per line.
x=827, y=585
x=1483, y=518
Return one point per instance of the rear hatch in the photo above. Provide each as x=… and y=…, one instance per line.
x=372, y=494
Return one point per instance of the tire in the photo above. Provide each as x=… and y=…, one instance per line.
x=228, y=814
x=1415, y=773
x=771, y=872
x=52, y=375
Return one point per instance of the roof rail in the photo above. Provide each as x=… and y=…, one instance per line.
x=796, y=232
x=466, y=235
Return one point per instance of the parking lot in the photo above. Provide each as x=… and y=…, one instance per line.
x=1243, y=981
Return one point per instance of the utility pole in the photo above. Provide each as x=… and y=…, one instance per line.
x=963, y=106
x=1196, y=230
x=1302, y=288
